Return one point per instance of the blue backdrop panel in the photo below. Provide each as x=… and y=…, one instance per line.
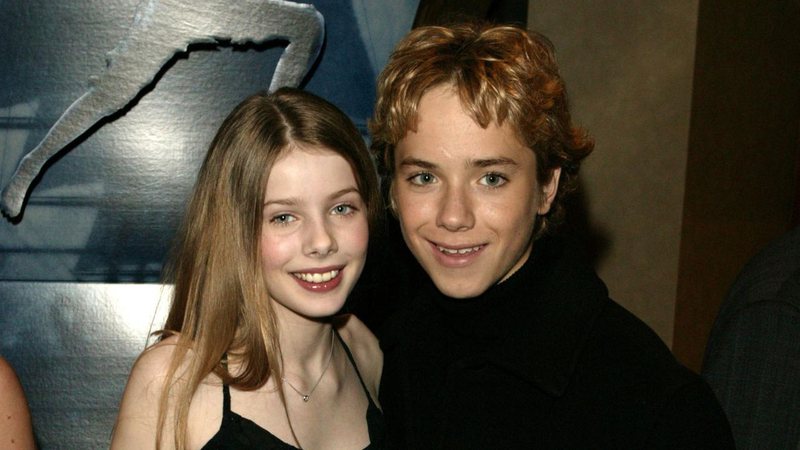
x=72, y=345
x=107, y=208
x=104, y=211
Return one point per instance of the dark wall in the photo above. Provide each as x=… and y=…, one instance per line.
x=628, y=67
x=741, y=181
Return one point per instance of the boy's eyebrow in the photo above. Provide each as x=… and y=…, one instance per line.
x=492, y=162
x=488, y=162
x=416, y=162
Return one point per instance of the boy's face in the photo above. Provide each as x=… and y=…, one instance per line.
x=467, y=197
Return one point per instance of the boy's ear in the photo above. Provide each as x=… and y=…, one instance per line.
x=549, y=191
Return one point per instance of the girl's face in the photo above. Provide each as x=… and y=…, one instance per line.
x=314, y=235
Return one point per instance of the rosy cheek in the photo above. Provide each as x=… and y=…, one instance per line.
x=273, y=250
x=361, y=237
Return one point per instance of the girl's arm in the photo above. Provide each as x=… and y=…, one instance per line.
x=15, y=422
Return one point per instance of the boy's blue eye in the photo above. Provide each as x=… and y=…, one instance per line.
x=493, y=180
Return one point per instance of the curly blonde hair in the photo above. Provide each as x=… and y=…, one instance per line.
x=500, y=73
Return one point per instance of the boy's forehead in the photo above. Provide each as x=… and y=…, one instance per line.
x=443, y=102
x=448, y=136
x=442, y=120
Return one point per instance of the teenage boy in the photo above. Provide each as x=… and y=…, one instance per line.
x=512, y=341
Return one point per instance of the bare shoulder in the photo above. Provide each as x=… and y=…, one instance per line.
x=150, y=368
x=137, y=422
x=138, y=415
x=357, y=336
x=364, y=347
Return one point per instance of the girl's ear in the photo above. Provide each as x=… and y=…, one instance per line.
x=392, y=203
x=549, y=191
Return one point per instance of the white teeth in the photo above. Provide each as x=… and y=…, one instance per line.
x=463, y=251
x=317, y=277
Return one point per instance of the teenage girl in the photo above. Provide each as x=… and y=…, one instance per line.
x=274, y=238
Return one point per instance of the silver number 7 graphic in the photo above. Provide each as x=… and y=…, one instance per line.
x=160, y=29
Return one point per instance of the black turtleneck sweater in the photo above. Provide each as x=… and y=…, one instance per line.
x=542, y=360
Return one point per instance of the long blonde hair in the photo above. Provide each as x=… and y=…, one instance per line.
x=220, y=304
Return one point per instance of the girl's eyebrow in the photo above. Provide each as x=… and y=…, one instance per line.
x=283, y=201
x=292, y=201
x=343, y=192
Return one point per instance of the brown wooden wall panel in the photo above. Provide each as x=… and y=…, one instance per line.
x=630, y=85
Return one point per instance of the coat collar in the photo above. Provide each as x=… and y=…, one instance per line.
x=544, y=314
x=561, y=297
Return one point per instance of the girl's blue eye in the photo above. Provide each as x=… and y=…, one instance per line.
x=281, y=219
x=493, y=180
x=422, y=178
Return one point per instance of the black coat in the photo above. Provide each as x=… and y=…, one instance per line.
x=543, y=360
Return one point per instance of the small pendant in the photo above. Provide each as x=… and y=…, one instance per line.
x=305, y=398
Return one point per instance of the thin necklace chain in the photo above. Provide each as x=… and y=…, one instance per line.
x=306, y=397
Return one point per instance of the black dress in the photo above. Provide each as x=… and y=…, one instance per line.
x=543, y=360
x=237, y=432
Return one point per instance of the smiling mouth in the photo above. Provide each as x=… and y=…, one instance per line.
x=459, y=251
x=316, y=277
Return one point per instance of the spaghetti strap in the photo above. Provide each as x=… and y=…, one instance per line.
x=226, y=400
x=236, y=431
x=353, y=362
x=375, y=425
x=226, y=391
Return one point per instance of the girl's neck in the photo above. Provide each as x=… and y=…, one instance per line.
x=305, y=345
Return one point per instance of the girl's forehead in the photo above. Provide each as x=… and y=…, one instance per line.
x=309, y=172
